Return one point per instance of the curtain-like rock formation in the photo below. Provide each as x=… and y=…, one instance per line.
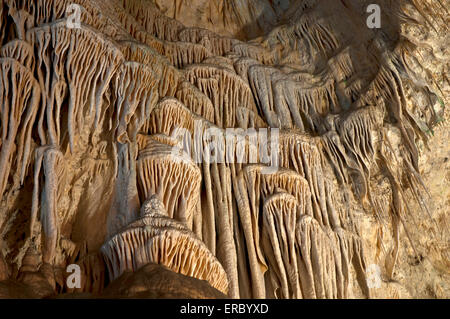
x=275, y=149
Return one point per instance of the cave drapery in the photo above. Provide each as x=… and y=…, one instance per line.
x=92, y=172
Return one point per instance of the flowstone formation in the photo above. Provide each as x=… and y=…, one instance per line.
x=211, y=148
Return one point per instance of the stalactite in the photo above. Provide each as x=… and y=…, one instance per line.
x=349, y=145
x=4, y=271
x=173, y=176
x=278, y=233
x=181, y=54
x=301, y=153
x=242, y=64
x=151, y=41
x=169, y=76
x=196, y=101
x=86, y=87
x=356, y=133
x=20, y=51
x=134, y=102
x=349, y=252
x=3, y=19
x=342, y=65
x=167, y=29
x=388, y=85
x=336, y=154
x=169, y=115
x=233, y=92
x=398, y=208
x=52, y=160
x=317, y=101
x=255, y=186
x=315, y=31
x=260, y=78
x=224, y=62
x=288, y=102
x=219, y=46
x=218, y=178
x=22, y=20
x=247, y=119
x=125, y=205
x=47, y=11
x=153, y=21
x=254, y=52
x=156, y=238
x=316, y=260
x=19, y=104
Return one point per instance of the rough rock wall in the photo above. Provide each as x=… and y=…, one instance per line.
x=91, y=120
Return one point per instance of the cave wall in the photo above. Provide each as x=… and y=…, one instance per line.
x=92, y=171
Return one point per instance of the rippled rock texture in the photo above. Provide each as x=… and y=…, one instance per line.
x=336, y=184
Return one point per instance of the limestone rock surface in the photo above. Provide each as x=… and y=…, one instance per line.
x=211, y=148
